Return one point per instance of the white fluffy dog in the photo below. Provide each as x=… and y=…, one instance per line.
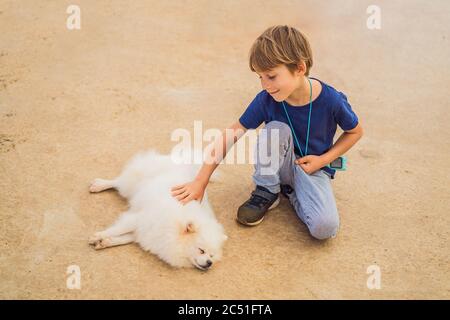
x=181, y=235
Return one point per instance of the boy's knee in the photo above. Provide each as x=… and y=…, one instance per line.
x=324, y=228
x=281, y=126
x=284, y=131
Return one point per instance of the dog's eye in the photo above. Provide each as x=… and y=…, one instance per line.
x=201, y=251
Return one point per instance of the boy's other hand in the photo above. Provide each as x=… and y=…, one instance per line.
x=310, y=164
x=186, y=192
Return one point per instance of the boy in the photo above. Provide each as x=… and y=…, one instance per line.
x=300, y=115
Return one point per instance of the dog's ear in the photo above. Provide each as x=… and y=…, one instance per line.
x=189, y=228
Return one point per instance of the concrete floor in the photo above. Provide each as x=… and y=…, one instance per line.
x=75, y=105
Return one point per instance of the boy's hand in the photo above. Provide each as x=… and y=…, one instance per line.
x=311, y=163
x=193, y=190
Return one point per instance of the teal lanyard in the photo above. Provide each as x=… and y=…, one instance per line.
x=309, y=121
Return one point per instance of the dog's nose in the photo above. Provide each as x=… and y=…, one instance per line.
x=209, y=263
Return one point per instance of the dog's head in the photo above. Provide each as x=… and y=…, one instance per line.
x=204, y=239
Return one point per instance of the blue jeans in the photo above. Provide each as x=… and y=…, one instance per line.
x=312, y=198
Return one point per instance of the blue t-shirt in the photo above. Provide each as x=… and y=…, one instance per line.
x=329, y=109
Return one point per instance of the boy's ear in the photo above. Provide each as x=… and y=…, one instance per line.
x=301, y=67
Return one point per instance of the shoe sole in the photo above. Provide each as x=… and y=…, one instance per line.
x=276, y=203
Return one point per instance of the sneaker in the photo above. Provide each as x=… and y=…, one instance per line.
x=252, y=212
x=286, y=190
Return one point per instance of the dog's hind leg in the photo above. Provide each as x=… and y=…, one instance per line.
x=125, y=224
x=113, y=241
x=102, y=184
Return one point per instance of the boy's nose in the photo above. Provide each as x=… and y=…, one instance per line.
x=264, y=85
x=269, y=90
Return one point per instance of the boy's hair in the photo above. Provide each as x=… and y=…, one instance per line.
x=280, y=45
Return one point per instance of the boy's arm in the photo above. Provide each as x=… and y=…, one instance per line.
x=347, y=139
x=217, y=150
x=343, y=144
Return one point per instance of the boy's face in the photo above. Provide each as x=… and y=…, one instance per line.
x=279, y=82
